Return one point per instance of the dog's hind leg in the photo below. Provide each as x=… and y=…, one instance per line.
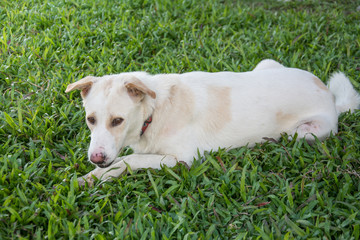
x=266, y=64
x=319, y=126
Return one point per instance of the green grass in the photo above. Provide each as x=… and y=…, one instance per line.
x=276, y=190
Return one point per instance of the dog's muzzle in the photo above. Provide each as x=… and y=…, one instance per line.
x=98, y=157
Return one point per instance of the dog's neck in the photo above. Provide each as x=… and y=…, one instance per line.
x=146, y=125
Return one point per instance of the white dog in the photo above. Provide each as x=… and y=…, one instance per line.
x=167, y=118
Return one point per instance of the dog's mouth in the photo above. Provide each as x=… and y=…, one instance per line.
x=105, y=164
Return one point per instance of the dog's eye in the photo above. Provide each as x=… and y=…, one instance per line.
x=91, y=120
x=116, y=122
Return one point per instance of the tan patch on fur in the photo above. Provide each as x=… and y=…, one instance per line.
x=178, y=110
x=114, y=131
x=91, y=127
x=284, y=119
x=218, y=112
x=320, y=84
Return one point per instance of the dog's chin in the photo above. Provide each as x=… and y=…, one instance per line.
x=104, y=165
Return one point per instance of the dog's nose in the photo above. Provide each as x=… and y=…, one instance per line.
x=97, y=157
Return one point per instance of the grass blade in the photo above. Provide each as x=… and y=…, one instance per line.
x=153, y=184
x=294, y=227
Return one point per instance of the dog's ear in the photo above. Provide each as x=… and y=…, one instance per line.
x=137, y=89
x=84, y=85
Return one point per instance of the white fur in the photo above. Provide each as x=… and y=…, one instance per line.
x=266, y=64
x=346, y=97
x=201, y=111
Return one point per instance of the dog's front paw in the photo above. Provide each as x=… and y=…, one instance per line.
x=86, y=179
x=81, y=181
x=97, y=173
x=103, y=174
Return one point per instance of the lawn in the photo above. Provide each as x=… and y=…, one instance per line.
x=275, y=190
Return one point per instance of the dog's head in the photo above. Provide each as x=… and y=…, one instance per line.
x=116, y=107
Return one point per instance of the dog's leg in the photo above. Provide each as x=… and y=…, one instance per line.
x=135, y=161
x=319, y=126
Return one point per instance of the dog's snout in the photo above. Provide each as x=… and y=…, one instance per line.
x=98, y=157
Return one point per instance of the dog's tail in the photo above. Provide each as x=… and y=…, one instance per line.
x=346, y=97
